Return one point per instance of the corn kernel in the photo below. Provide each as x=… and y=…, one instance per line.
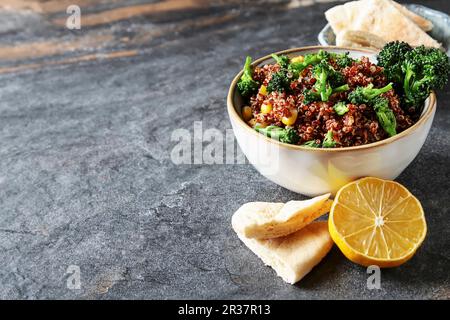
x=266, y=108
x=298, y=59
x=289, y=121
x=252, y=122
x=261, y=124
x=247, y=113
x=263, y=91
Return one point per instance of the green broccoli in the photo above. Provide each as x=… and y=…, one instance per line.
x=365, y=94
x=327, y=78
x=391, y=57
x=424, y=69
x=310, y=96
x=392, y=53
x=321, y=73
x=340, y=108
x=342, y=59
x=342, y=88
x=310, y=59
x=246, y=85
x=385, y=115
x=286, y=135
x=283, y=61
x=280, y=82
x=415, y=72
x=335, y=78
x=328, y=141
x=311, y=144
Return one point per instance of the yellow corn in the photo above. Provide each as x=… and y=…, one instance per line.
x=298, y=59
x=266, y=108
x=263, y=91
x=252, y=122
x=289, y=121
x=247, y=113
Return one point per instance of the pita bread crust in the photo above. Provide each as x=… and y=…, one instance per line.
x=381, y=18
x=424, y=24
x=359, y=39
x=386, y=21
x=337, y=17
x=293, y=256
x=265, y=220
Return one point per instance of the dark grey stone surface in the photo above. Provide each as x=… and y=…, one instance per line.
x=86, y=176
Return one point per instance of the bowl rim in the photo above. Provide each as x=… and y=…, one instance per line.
x=232, y=113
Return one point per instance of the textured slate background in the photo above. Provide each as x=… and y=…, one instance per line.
x=86, y=177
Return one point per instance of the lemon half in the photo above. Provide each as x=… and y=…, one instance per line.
x=377, y=222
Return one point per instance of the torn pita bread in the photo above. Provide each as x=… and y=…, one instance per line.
x=359, y=39
x=294, y=255
x=341, y=16
x=265, y=220
x=337, y=18
x=380, y=17
x=424, y=24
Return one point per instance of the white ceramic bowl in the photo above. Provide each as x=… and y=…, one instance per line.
x=317, y=171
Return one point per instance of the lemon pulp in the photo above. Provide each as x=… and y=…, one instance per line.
x=377, y=222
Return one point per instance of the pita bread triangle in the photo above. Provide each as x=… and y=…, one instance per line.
x=380, y=17
x=423, y=23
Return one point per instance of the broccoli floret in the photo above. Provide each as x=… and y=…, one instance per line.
x=391, y=57
x=342, y=88
x=311, y=144
x=326, y=78
x=283, y=61
x=286, y=135
x=342, y=59
x=392, y=53
x=280, y=82
x=310, y=96
x=415, y=72
x=385, y=115
x=424, y=69
x=340, y=108
x=310, y=59
x=335, y=78
x=363, y=95
x=321, y=73
x=328, y=141
x=246, y=85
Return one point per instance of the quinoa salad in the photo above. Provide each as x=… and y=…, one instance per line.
x=330, y=100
